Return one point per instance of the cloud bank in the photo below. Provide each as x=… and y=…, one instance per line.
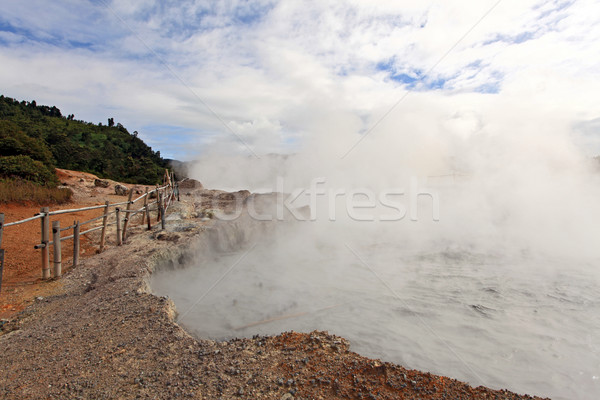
x=269, y=77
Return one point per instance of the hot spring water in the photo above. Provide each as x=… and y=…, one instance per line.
x=477, y=317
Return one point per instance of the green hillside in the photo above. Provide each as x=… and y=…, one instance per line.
x=36, y=139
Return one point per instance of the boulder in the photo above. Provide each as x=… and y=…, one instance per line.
x=121, y=190
x=101, y=183
x=167, y=236
x=190, y=184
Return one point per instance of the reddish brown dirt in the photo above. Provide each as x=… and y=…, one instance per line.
x=22, y=281
x=22, y=278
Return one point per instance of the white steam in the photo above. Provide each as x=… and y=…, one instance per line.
x=506, y=276
x=507, y=173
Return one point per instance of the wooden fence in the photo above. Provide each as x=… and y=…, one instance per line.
x=164, y=196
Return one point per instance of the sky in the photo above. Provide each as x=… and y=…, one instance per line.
x=262, y=77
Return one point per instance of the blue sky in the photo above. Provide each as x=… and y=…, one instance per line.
x=257, y=77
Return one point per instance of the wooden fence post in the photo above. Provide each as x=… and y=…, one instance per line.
x=1, y=250
x=177, y=186
x=119, y=237
x=145, y=212
x=57, y=250
x=45, y=239
x=75, y=243
x=172, y=196
x=157, y=204
x=1, y=267
x=1, y=227
x=173, y=186
x=148, y=219
x=104, y=223
x=126, y=221
x=162, y=212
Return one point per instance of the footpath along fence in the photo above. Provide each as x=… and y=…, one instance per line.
x=164, y=196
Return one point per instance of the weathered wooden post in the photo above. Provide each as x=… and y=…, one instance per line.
x=1, y=267
x=45, y=240
x=173, y=188
x=1, y=250
x=172, y=196
x=148, y=219
x=1, y=227
x=119, y=237
x=145, y=212
x=75, y=243
x=157, y=204
x=57, y=250
x=162, y=212
x=104, y=223
x=177, y=186
x=126, y=221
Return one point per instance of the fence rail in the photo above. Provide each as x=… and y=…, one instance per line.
x=23, y=221
x=164, y=194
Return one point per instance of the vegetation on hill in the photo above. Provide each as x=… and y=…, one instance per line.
x=36, y=139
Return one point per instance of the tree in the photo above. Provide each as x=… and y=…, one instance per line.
x=86, y=136
x=41, y=133
x=23, y=167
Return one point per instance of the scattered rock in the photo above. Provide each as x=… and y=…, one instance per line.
x=167, y=236
x=101, y=183
x=240, y=195
x=121, y=190
x=207, y=214
x=190, y=184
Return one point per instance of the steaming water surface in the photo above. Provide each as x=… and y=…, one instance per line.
x=518, y=322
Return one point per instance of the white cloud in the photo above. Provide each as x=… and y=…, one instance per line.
x=290, y=63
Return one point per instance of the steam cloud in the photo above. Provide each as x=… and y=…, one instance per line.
x=509, y=175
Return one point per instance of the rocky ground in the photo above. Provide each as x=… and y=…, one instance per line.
x=100, y=334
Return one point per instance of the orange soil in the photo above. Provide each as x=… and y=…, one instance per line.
x=21, y=281
x=22, y=278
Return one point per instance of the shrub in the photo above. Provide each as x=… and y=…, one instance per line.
x=24, y=167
